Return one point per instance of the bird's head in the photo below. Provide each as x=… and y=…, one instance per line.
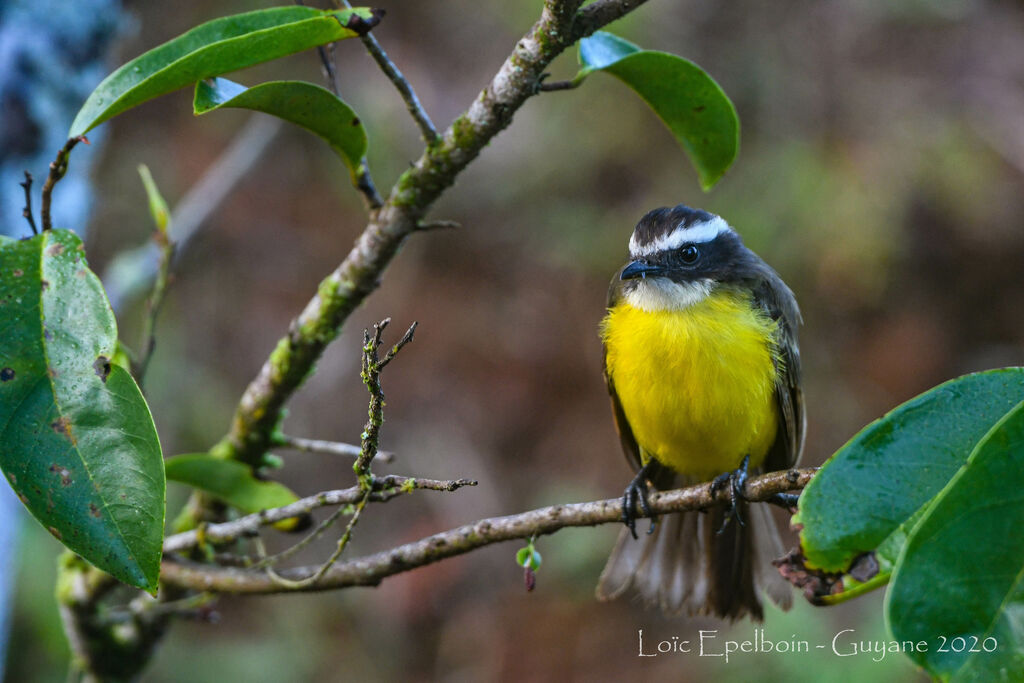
x=679, y=255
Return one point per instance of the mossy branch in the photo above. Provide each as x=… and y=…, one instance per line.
x=259, y=412
x=372, y=569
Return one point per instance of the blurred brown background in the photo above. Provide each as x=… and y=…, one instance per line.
x=881, y=172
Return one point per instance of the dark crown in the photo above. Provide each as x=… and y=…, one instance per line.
x=660, y=222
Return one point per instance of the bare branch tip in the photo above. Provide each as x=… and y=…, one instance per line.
x=427, y=226
x=27, y=212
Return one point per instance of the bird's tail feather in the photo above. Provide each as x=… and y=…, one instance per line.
x=687, y=566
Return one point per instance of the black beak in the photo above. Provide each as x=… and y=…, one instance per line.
x=640, y=269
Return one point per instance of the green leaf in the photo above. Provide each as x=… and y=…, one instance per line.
x=218, y=47
x=77, y=441
x=529, y=558
x=231, y=481
x=875, y=483
x=959, y=584
x=157, y=206
x=683, y=95
x=316, y=109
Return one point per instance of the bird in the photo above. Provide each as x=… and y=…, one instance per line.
x=702, y=364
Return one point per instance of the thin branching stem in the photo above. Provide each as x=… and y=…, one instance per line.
x=156, y=300
x=316, y=576
x=385, y=488
x=58, y=167
x=372, y=365
x=27, y=211
x=327, y=447
x=372, y=569
x=412, y=102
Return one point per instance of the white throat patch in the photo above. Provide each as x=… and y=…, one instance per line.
x=697, y=233
x=661, y=294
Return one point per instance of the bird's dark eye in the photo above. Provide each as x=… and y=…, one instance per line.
x=689, y=254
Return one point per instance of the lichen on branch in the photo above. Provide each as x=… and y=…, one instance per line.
x=372, y=569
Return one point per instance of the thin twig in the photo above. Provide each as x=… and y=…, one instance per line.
x=438, y=225
x=327, y=61
x=372, y=569
x=270, y=560
x=58, y=167
x=327, y=447
x=156, y=299
x=412, y=102
x=148, y=608
x=390, y=355
x=385, y=488
x=371, y=369
x=558, y=85
x=361, y=176
x=364, y=183
x=27, y=211
x=314, y=578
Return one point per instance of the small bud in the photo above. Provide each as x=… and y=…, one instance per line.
x=530, y=579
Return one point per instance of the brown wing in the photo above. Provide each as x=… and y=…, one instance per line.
x=778, y=301
x=629, y=445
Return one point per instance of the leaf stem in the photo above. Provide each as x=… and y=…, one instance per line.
x=877, y=581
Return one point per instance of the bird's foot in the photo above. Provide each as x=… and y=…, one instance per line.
x=786, y=501
x=736, y=481
x=637, y=491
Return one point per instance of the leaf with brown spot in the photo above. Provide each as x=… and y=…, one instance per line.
x=79, y=445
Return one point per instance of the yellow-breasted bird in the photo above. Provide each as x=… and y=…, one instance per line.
x=703, y=368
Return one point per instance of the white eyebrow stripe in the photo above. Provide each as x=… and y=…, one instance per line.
x=698, y=233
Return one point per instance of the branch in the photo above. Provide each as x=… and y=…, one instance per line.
x=385, y=488
x=372, y=366
x=156, y=300
x=558, y=85
x=315, y=576
x=58, y=167
x=372, y=569
x=327, y=447
x=259, y=411
x=364, y=184
x=412, y=102
x=599, y=14
x=361, y=178
x=27, y=211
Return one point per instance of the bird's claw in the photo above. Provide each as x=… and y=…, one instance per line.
x=637, y=492
x=737, y=482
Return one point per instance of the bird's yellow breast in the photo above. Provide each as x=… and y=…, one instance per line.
x=696, y=384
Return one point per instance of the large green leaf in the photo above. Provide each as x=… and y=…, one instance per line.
x=683, y=95
x=77, y=441
x=231, y=481
x=875, y=483
x=959, y=584
x=314, y=108
x=218, y=47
